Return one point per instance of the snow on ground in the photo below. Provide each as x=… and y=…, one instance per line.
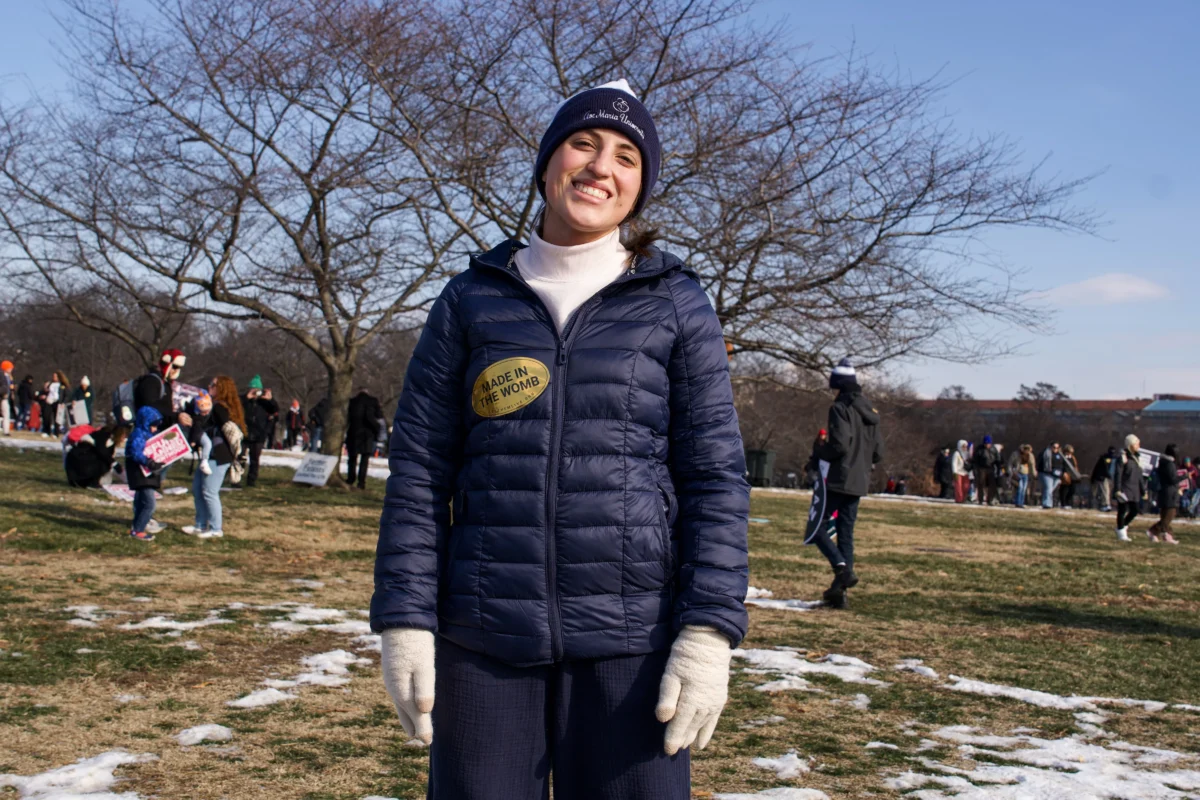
x=1031, y=768
x=792, y=666
x=786, y=605
x=168, y=624
x=787, y=767
x=1047, y=700
x=780, y=793
x=86, y=778
x=755, y=593
x=204, y=733
x=308, y=584
x=881, y=746
x=860, y=701
x=263, y=697
x=758, y=723
x=324, y=669
x=915, y=665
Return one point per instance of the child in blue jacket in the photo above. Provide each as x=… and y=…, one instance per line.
x=146, y=424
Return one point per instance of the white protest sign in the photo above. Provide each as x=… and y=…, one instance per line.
x=315, y=469
x=1149, y=460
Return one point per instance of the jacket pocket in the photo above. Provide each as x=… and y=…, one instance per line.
x=668, y=511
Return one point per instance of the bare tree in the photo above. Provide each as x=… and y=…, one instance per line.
x=322, y=166
x=955, y=392
x=217, y=159
x=1040, y=394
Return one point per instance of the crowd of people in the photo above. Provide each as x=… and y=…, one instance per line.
x=226, y=430
x=1054, y=477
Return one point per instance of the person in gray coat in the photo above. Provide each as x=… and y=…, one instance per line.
x=1130, y=485
x=853, y=449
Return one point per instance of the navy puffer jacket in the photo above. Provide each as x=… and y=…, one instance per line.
x=565, y=497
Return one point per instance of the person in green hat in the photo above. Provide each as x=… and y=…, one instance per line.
x=260, y=409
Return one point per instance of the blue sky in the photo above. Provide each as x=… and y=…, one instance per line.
x=1097, y=86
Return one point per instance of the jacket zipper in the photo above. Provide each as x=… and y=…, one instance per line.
x=558, y=392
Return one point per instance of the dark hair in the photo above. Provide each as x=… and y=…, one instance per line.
x=1171, y=450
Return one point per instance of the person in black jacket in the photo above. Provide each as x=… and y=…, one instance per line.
x=986, y=462
x=853, y=449
x=1102, y=480
x=316, y=424
x=1169, y=479
x=362, y=428
x=260, y=410
x=91, y=458
x=943, y=472
x=1129, y=486
x=25, y=400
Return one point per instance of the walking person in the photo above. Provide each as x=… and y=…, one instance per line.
x=56, y=398
x=259, y=411
x=1128, y=486
x=1102, y=480
x=225, y=427
x=7, y=397
x=854, y=448
x=1169, y=479
x=1051, y=470
x=43, y=421
x=960, y=463
x=572, y=398
x=1070, y=478
x=362, y=428
x=156, y=389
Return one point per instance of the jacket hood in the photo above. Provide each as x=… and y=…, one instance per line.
x=863, y=407
x=147, y=416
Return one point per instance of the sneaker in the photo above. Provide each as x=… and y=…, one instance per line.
x=1150, y=535
x=154, y=526
x=210, y=534
x=191, y=530
x=141, y=536
x=205, y=467
x=1169, y=539
x=1122, y=534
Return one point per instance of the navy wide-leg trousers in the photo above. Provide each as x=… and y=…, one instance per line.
x=500, y=732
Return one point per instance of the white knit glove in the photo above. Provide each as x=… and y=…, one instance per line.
x=694, y=687
x=407, y=658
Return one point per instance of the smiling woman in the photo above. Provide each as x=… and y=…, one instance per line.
x=588, y=586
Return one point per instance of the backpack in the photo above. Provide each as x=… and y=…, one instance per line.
x=123, y=399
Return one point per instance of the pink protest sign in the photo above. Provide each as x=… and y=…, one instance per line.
x=166, y=447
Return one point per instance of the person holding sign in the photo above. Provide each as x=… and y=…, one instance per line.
x=574, y=613
x=142, y=473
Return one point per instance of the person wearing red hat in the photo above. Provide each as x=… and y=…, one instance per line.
x=155, y=390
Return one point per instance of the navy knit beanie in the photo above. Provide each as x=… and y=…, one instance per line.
x=612, y=106
x=843, y=376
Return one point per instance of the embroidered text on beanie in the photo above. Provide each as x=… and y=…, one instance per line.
x=612, y=106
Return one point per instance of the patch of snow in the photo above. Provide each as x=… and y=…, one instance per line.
x=190, y=645
x=1045, y=699
x=82, y=623
x=860, y=701
x=787, y=767
x=916, y=665
x=287, y=626
x=166, y=623
x=1185, y=707
x=307, y=613
x=754, y=593
x=308, y=584
x=128, y=698
x=352, y=627
x=83, y=651
x=787, y=605
x=204, y=733
x=778, y=793
x=335, y=662
x=141, y=599
x=789, y=664
x=790, y=683
x=87, y=777
x=372, y=641
x=881, y=746
x=758, y=723
x=1047, y=769
x=263, y=697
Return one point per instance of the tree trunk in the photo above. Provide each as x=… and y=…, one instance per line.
x=341, y=385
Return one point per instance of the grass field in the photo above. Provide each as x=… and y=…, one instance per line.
x=1039, y=600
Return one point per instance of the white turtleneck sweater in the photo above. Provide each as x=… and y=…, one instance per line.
x=567, y=277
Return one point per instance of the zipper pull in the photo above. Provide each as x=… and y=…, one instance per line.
x=562, y=356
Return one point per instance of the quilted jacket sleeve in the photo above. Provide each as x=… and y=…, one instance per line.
x=423, y=458
x=707, y=467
